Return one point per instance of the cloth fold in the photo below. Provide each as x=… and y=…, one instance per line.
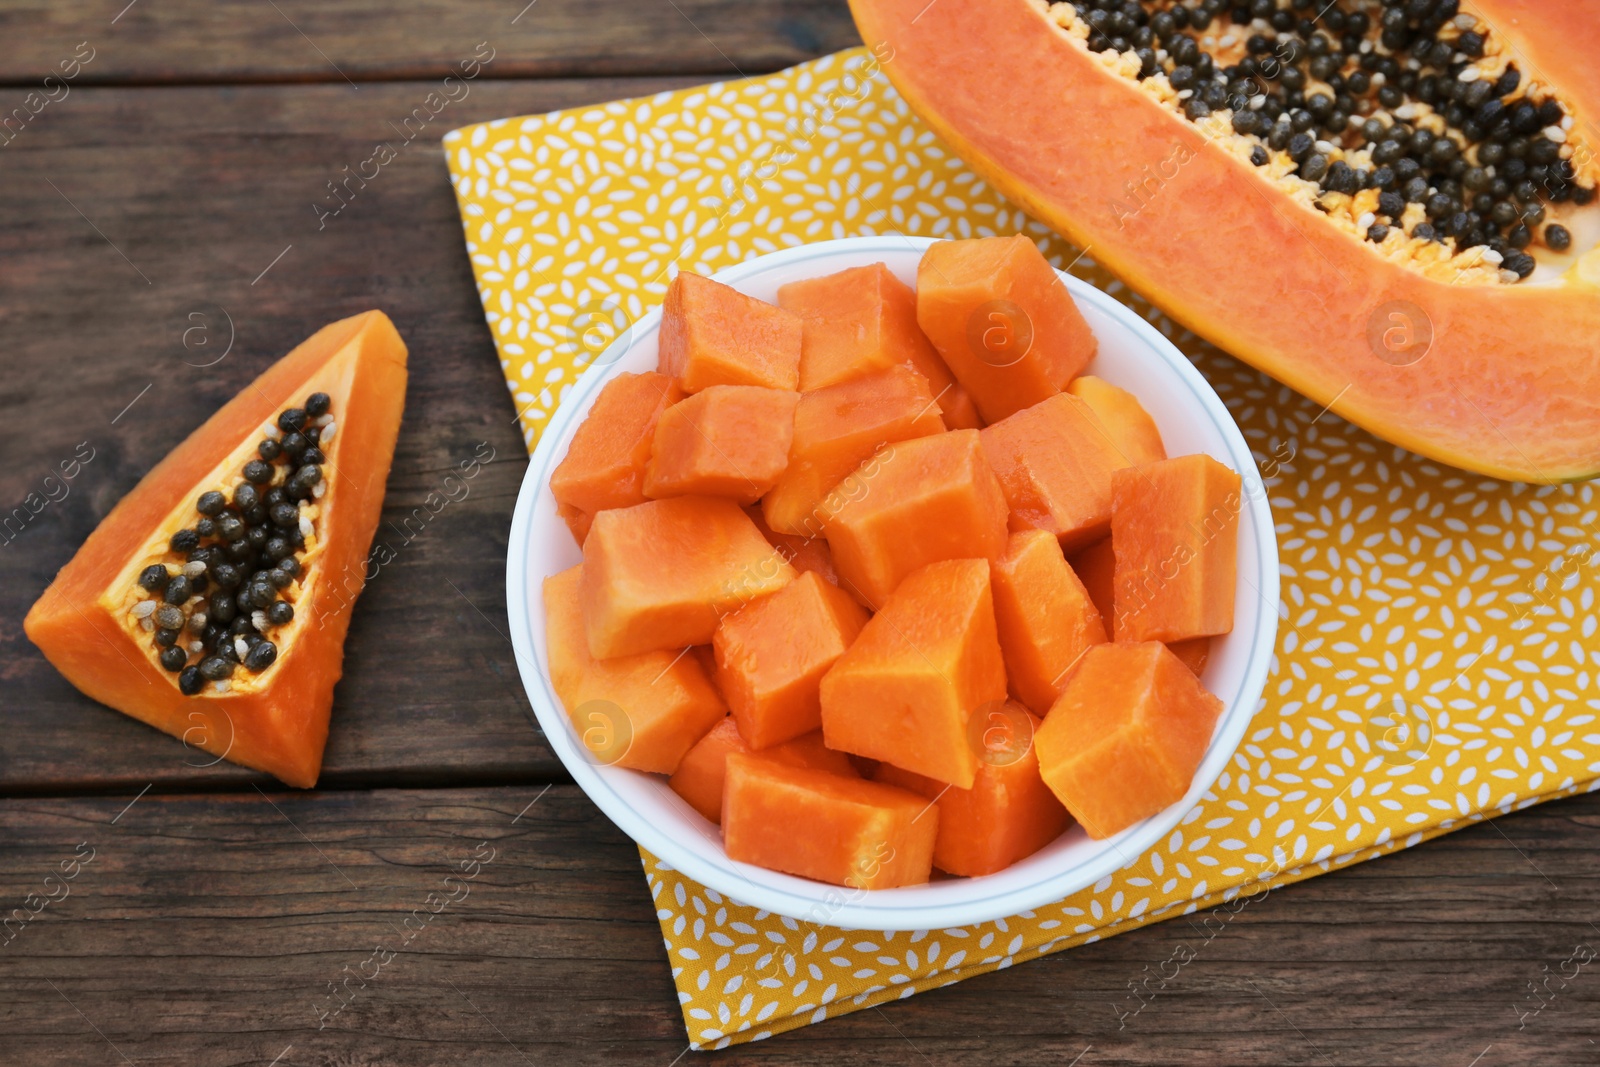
x=1436, y=657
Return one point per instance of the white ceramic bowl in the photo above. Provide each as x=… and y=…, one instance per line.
x=1132, y=354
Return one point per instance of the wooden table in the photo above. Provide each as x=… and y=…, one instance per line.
x=164, y=205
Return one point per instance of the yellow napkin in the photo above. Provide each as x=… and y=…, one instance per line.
x=1437, y=654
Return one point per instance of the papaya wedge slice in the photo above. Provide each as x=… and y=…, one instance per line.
x=90, y=623
x=1487, y=363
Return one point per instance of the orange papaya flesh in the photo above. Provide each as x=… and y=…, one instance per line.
x=1132, y=431
x=1055, y=462
x=712, y=334
x=960, y=413
x=641, y=711
x=1432, y=353
x=660, y=575
x=913, y=503
x=726, y=440
x=1126, y=737
x=858, y=321
x=275, y=719
x=837, y=429
x=1007, y=815
x=1095, y=564
x=803, y=553
x=605, y=464
x=772, y=654
x=824, y=826
x=905, y=691
x=702, y=771
x=1002, y=320
x=1175, y=532
x=1045, y=618
x=1195, y=653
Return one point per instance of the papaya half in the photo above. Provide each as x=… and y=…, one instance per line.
x=1388, y=205
x=213, y=601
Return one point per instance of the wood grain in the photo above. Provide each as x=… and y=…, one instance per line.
x=207, y=930
x=191, y=41
x=131, y=211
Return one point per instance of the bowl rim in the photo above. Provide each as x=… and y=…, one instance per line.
x=857, y=911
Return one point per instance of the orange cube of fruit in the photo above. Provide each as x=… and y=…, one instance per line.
x=1055, y=462
x=1095, y=564
x=701, y=773
x=712, y=334
x=1125, y=739
x=726, y=440
x=1002, y=320
x=1175, y=530
x=1007, y=815
x=820, y=825
x=906, y=690
x=772, y=654
x=914, y=503
x=837, y=429
x=1129, y=425
x=803, y=553
x=605, y=464
x=1045, y=617
x=660, y=575
x=1195, y=653
x=642, y=711
x=858, y=321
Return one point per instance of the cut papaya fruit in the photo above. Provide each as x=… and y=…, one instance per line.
x=803, y=553
x=907, y=688
x=919, y=501
x=605, y=464
x=1095, y=564
x=1357, y=264
x=1195, y=653
x=177, y=613
x=1045, y=617
x=703, y=770
x=772, y=654
x=1055, y=461
x=1175, y=531
x=837, y=429
x=1126, y=737
x=642, y=711
x=660, y=575
x=863, y=320
x=824, y=826
x=1002, y=320
x=1007, y=815
x=726, y=440
x=1132, y=431
x=712, y=334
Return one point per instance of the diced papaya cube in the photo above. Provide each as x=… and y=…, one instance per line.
x=1195, y=653
x=726, y=440
x=1096, y=566
x=642, y=711
x=660, y=575
x=905, y=691
x=605, y=464
x=803, y=553
x=1045, y=618
x=838, y=428
x=1003, y=320
x=1132, y=429
x=712, y=334
x=1007, y=815
x=1127, y=736
x=1055, y=462
x=700, y=775
x=855, y=322
x=772, y=654
x=960, y=413
x=1175, y=529
x=820, y=825
x=914, y=502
